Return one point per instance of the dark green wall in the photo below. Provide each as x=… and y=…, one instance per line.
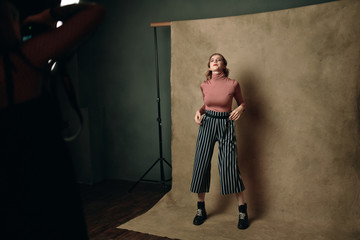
x=117, y=79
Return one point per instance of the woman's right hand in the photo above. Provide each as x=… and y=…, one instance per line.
x=198, y=117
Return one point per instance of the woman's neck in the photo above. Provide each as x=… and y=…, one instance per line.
x=217, y=75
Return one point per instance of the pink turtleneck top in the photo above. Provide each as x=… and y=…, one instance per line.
x=218, y=93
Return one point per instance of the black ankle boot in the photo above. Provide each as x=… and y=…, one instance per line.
x=200, y=214
x=243, y=217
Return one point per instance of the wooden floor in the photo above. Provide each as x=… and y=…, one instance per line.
x=108, y=204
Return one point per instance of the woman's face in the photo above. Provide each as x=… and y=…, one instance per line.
x=216, y=64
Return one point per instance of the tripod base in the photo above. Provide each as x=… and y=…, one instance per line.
x=163, y=181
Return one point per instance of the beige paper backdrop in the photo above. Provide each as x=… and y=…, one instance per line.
x=298, y=141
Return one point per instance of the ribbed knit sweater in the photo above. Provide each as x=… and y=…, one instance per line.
x=218, y=93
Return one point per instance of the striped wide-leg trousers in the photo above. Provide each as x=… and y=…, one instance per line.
x=216, y=127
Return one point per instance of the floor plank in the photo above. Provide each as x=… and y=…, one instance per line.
x=109, y=204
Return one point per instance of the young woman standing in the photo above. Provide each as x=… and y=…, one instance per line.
x=217, y=124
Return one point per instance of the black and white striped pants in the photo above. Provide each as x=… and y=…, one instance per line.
x=216, y=127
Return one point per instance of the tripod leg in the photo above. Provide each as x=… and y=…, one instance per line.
x=168, y=163
x=143, y=175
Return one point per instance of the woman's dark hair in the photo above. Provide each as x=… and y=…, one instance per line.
x=9, y=43
x=8, y=38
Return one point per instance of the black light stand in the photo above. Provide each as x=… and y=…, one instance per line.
x=161, y=159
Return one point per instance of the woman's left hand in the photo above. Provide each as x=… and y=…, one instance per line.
x=236, y=113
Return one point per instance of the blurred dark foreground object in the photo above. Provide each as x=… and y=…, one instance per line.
x=39, y=195
x=31, y=7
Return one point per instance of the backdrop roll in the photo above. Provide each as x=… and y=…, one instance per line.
x=298, y=141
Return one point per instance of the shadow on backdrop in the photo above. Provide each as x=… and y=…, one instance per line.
x=250, y=130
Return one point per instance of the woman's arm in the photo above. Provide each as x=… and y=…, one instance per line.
x=237, y=112
x=201, y=111
x=79, y=21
